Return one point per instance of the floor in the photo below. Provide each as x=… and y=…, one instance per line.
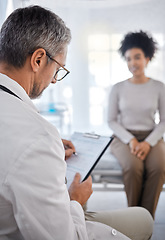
x=117, y=199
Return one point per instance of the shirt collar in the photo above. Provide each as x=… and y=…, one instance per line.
x=17, y=89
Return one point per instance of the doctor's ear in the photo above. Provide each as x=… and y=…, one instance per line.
x=38, y=62
x=37, y=59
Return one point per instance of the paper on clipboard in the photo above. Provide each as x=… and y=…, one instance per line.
x=89, y=148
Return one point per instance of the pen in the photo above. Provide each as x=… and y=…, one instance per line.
x=74, y=153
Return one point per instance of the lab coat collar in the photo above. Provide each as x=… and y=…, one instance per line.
x=17, y=89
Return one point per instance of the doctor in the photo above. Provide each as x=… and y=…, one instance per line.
x=34, y=201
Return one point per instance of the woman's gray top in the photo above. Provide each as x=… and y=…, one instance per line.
x=133, y=107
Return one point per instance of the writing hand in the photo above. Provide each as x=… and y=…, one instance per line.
x=80, y=192
x=69, y=148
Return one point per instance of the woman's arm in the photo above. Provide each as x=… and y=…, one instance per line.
x=113, y=112
x=159, y=129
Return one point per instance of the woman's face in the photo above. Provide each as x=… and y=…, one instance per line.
x=136, y=61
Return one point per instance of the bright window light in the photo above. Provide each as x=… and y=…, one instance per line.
x=99, y=67
x=96, y=115
x=10, y=8
x=67, y=92
x=99, y=42
x=97, y=96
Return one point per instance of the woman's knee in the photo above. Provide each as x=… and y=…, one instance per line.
x=156, y=167
x=134, y=168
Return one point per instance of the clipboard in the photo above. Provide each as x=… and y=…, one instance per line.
x=89, y=148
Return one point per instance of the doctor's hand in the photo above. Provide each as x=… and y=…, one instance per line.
x=80, y=191
x=69, y=148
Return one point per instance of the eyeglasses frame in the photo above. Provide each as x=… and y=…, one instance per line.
x=67, y=71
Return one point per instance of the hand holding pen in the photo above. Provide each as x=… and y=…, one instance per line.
x=69, y=148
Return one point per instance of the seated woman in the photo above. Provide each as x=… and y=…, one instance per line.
x=138, y=141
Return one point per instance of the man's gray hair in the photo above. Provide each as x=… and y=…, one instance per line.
x=28, y=29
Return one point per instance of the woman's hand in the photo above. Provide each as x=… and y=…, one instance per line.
x=133, y=144
x=139, y=149
x=142, y=150
x=69, y=148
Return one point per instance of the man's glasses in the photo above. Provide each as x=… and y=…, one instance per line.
x=61, y=72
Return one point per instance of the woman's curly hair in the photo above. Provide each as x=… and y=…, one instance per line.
x=141, y=40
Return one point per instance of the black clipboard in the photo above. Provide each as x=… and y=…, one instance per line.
x=89, y=147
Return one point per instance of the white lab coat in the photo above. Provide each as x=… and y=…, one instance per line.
x=34, y=201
